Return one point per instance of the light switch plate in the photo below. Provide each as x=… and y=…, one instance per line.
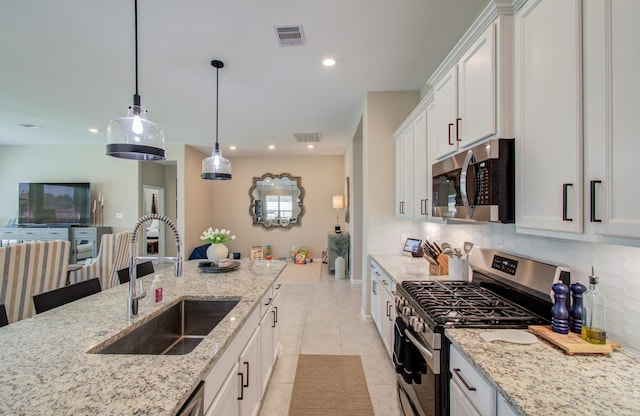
x=119, y=215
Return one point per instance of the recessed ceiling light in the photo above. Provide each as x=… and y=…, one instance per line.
x=271, y=147
x=329, y=62
x=232, y=147
x=93, y=130
x=309, y=146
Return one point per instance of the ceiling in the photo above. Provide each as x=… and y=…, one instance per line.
x=68, y=65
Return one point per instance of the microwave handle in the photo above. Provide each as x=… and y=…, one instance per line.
x=463, y=181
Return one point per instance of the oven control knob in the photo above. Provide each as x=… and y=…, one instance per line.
x=417, y=323
x=400, y=302
x=407, y=311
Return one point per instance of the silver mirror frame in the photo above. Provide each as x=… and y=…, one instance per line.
x=298, y=180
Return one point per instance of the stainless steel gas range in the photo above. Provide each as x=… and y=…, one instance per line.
x=506, y=291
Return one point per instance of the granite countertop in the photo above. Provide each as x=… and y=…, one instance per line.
x=402, y=267
x=540, y=379
x=45, y=368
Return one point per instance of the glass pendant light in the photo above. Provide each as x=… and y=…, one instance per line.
x=216, y=167
x=134, y=136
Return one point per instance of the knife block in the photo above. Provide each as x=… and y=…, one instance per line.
x=442, y=268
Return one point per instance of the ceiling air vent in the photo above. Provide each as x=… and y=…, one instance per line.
x=307, y=137
x=290, y=35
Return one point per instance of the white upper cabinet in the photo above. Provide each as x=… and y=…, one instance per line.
x=413, y=171
x=447, y=123
x=473, y=87
x=404, y=175
x=611, y=91
x=477, y=90
x=548, y=115
x=421, y=169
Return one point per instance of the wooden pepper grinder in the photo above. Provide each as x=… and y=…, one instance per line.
x=559, y=312
x=576, y=312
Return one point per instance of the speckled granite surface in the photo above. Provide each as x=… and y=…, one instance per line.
x=404, y=267
x=541, y=380
x=45, y=368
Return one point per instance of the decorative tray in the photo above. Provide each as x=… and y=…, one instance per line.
x=210, y=267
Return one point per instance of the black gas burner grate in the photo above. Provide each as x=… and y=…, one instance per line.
x=454, y=303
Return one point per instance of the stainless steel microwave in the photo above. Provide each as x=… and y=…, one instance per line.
x=477, y=184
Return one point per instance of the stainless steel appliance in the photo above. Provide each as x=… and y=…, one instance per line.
x=506, y=291
x=478, y=184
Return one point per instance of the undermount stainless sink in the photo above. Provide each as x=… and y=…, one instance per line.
x=176, y=331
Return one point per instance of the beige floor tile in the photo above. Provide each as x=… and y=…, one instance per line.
x=384, y=399
x=276, y=400
x=326, y=318
x=285, y=369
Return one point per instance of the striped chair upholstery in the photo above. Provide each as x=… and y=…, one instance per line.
x=29, y=269
x=113, y=256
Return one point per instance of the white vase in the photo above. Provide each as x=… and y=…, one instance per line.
x=340, y=267
x=217, y=252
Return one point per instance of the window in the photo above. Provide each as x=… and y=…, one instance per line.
x=279, y=206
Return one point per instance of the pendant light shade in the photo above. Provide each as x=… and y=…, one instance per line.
x=216, y=167
x=134, y=136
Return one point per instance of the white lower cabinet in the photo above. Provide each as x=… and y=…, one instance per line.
x=237, y=383
x=250, y=380
x=226, y=402
x=470, y=393
x=382, y=304
x=460, y=404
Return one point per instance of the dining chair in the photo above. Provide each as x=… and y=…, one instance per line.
x=66, y=294
x=4, y=321
x=27, y=269
x=113, y=256
x=142, y=269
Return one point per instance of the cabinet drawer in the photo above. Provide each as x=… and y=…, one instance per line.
x=30, y=234
x=9, y=234
x=472, y=383
x=55, y=234
x=84, y=232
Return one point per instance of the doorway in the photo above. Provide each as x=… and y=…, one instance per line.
x=153, y=232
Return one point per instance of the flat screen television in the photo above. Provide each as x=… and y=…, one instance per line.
x=54, y=203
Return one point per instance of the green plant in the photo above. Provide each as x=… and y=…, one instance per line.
x=341, y=245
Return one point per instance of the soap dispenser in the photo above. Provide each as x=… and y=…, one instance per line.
x=594, y=319
x=156, y=288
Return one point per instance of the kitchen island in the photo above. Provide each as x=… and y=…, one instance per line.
x=541, y=380
x=45, y=367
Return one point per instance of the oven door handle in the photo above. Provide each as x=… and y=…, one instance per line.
x=418, y=345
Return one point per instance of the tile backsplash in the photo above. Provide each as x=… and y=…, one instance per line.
x=617, y=266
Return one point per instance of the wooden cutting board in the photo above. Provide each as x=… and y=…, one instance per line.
x=572, y=343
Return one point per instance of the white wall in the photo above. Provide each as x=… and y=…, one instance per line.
x=382, y=115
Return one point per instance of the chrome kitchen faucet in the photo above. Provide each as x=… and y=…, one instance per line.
x=134, y=297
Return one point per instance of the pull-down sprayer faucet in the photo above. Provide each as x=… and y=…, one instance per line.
x=132, y=305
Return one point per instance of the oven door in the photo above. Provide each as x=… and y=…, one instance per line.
x=422, y=399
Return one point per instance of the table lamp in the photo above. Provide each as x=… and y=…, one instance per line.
x=338, y=202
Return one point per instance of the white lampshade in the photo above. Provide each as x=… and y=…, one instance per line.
x=338, y=201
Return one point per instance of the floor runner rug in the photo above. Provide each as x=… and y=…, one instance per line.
x=330, y=385
x=305, y=273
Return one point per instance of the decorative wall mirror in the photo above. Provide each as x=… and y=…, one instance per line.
x=276, y=201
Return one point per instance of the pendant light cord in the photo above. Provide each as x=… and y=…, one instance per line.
x=136, y=96
x=217, y=105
